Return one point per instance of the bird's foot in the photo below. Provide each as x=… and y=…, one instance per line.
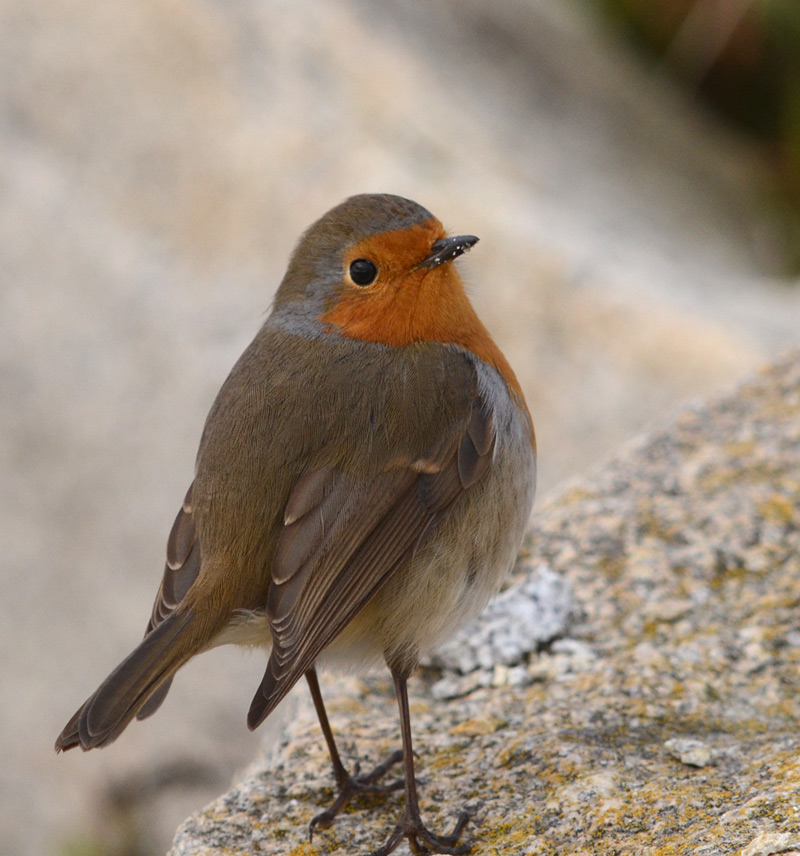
x=350, y=786
x=422, y=840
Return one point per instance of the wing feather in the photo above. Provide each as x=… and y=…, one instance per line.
x=180, y=571
x=345, y=536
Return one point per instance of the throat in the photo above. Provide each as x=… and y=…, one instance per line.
x=417, y=307
x=437, y=311
x=427, y=307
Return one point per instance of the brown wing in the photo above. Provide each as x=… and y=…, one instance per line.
x=180, y=571
x=343, y=538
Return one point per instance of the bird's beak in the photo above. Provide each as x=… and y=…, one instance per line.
x=447, y=249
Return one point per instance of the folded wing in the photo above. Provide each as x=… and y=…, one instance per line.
x=345, y=536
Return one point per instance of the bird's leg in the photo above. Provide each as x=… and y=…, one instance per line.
x=347, y=785
x=410, y=826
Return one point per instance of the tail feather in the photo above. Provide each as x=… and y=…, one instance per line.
x=155, y=701
x=142, y=676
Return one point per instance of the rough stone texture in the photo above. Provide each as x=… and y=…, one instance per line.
x=667, y=723
x=530, y=613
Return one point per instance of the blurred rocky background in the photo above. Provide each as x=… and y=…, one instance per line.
x=159, y=158
x=741, y=58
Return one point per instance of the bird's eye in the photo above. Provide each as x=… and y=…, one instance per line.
x=363, y=272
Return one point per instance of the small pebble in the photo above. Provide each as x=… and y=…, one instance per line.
x=769, y=843
x=687, y=750
x=477, y=726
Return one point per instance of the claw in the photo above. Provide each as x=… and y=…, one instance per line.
x=421, y=839
x=349, y=786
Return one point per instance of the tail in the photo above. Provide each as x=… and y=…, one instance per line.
x=143, y=674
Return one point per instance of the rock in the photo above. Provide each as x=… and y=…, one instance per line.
x=494, y=650
x=770, y=843
x=476, y=726
x=515, y=623
x=688, y=751
x=684, y=636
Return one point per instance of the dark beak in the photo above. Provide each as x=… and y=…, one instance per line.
x=448, y=249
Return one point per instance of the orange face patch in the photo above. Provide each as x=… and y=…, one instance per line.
x=407, y=304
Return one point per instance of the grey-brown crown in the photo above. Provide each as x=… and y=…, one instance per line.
x=316, y=263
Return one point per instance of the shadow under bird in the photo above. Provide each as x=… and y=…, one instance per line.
x=362, y=486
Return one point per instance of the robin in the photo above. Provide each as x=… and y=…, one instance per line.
x=362, y=485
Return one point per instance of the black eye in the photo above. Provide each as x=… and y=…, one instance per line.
x=363, y=272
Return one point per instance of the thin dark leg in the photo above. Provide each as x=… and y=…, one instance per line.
x=339, y=772
x=346, y=785
x=410, y=825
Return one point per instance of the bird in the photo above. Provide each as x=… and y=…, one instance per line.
x=362, y=487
